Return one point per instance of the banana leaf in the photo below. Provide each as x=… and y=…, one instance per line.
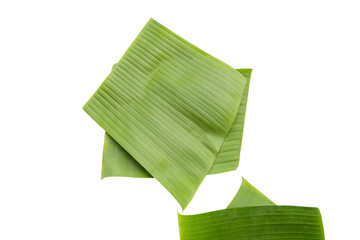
x=117, y=162
x=175, y=113
x=170, y=106
x=252, y=216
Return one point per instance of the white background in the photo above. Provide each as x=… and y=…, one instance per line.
x=301, y=140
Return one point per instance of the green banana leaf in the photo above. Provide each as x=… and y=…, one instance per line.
x=118, y=162
x=252, y=216
x=175, y=113
x=170, y=106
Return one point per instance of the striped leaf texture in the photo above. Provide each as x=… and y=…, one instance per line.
x=170, y=106
x=117, y=162
x=244, y=220
x=175, y=113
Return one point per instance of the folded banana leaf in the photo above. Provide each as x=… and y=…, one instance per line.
x=170, y=106
x=252, y=216
x=117, y=162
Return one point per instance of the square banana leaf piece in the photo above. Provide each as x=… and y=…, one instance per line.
x=170, y=106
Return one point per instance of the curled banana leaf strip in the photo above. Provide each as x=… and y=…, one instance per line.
x=119, y=163
x=170, y=106
x=244, y=220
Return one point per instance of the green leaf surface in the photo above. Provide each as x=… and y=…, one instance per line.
x=117, y=162
x=175, y=113
x=254, y=223
x=252, y=216
x=229, y=154
x=249, y=196
x=170, y=106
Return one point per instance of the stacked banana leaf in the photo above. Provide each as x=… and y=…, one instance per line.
x=175, y=113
